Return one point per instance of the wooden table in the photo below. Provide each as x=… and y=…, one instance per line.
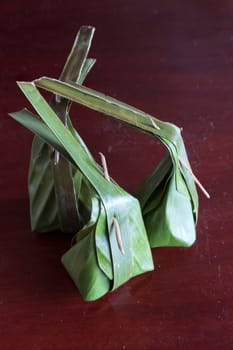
x=173, y=59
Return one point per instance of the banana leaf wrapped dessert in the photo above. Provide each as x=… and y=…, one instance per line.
x=69, y=191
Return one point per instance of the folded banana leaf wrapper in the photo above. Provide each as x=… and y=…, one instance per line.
x=69, y=191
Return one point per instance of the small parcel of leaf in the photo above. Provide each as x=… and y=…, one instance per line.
x=112, y=247
x=167, y=211
x=168, y=197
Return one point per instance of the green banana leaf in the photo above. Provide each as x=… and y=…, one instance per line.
x=53, y=202
x=177, y=196
x=167, y=212
x=96, y=262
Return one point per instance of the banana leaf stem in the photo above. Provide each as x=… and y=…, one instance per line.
x=195, y=178
x=115, y=221
x=118, y=235
x=154, y=124
x=104, y=165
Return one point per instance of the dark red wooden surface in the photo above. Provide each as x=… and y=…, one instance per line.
x=173, y=59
